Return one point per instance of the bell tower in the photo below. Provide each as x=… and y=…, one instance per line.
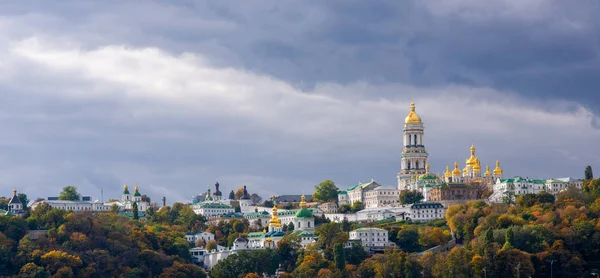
x=414, y=157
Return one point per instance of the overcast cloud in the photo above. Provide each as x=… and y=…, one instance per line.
x=279, y=96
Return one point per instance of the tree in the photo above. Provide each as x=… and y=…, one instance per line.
x=239, y=193
x=325, y=191
x=510, y=238
x=211, y=245
x=410, y=197
x=134, y=209
x=408, y=239
x=183, y=270
x=114, y=209
x=255, y=198
x=31, y=270
x=346, y=226
x=356, y=206
x=339, y=257
x=330, y=234
x=69, y=193
x=24, y=200
x=291, y=227
x=588, y=173
x=231, y=195
x=268, y=204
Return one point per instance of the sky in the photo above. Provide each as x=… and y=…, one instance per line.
x=281, y=95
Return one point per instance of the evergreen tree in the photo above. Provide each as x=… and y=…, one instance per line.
x=134, y=209
x=291, y=227
x=489, y=236
x=588, y=173
x=231, y=195
x=339, y=257
x=510, y=238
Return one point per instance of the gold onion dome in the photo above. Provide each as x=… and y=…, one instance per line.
x=456, y=171
x=448, y=174
x=465, y=170
x=487, y=171
x=275, y=222
x=498, y=170
x=471, y=161
x=477, y=167
x=412, y=117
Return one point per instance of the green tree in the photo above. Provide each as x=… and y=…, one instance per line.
x=24, y=200
x=69, y=193
x=410, y=197
x=356, y=206
x=329, y=235
x=231, y=195
x=326, y=191
x=588, y=173
x=510, y=238
x=408, y=239
x=211, y=245
x=338, y=256
x=31, y=270
x=356, y=254
x=134, y=210
x=114, y=209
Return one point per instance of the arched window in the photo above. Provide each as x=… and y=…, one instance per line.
x=409, y=165
x=417, y=165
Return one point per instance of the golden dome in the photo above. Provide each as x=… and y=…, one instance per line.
x=412, y=117
x=498, y=170
x=465, y=170
x=456, y=172
x=137, y=188
x=427, y=167
x=471, y=161
x=303, y=202
x=487, y=171
x=275, y=222
x=477, y=167
x=15, y=192
x=126, y=187
x=447, y=174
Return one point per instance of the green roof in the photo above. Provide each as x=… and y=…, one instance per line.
x=342, y=192
x=141, y=214
x=368, y=229
x=212, y=205
x=428, y=177
x=426, y=205
x=255, y=234
x=137, y=194
x=304, y=213
x=257, y=214
x=303, y=233
x=126, y=191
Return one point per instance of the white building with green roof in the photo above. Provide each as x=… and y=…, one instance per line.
x=356, y=193
x=371, y=237
x=127, y=200
x=516, y=186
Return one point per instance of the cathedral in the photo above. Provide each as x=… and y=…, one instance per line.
x=415, y=170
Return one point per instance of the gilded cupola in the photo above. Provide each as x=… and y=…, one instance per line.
x=487, y=171
x=448, y=174
x=498, y=171
x=275, y=222
x=456, y=171
x=472, y=161
x=412, y=117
